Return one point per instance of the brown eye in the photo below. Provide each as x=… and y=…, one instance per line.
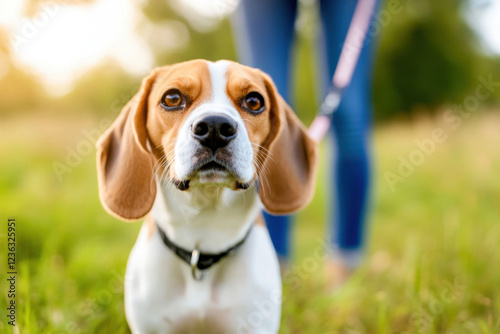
x=254, y=103
x=172, y=100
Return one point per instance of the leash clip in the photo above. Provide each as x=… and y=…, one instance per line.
x=198, y=275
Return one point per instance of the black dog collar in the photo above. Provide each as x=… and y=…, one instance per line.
x=196, y=259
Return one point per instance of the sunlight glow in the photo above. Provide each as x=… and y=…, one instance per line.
x=487, y=23
x=62, y=42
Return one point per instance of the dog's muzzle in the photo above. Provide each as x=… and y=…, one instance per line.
x=214, y=131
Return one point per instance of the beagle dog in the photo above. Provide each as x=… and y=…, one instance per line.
x=199, y=151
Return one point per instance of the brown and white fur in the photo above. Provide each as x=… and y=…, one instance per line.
x=150, y=164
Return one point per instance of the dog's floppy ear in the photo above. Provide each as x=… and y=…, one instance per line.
x=124, y=164
x=287, y=177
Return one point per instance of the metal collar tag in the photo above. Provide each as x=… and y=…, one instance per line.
x=198, y=275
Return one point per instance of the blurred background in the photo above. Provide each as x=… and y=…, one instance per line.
x=68, y=67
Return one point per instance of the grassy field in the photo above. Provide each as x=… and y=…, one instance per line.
x=433, y=257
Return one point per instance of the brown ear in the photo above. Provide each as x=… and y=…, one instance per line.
x=288, y=175
x=124, y=165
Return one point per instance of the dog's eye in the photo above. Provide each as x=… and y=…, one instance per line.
x=253, y=102
x=172, y=100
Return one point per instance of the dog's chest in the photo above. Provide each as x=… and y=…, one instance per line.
x=162, y=297
x=179, y=310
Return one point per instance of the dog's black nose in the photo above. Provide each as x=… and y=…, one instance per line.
x=214, y=131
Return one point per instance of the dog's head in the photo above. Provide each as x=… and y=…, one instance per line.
x=198, y=123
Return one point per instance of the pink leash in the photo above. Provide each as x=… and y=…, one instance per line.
x=342, y=76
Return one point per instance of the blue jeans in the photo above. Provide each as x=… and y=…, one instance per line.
x=264, y=36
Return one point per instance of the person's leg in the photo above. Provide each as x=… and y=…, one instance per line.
x=264, y=31
x=351, y=132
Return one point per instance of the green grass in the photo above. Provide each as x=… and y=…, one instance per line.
x=433, y=253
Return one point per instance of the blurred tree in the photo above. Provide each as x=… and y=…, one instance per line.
x=428, y=57
x=211, y=41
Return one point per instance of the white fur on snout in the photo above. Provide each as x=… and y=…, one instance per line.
x=240, y=148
